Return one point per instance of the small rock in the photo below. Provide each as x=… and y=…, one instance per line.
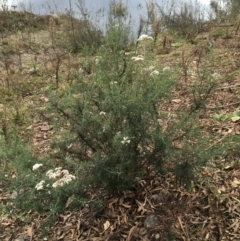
x=150, y=221
x=16, y=193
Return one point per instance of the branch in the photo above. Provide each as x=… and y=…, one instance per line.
x=223, y=106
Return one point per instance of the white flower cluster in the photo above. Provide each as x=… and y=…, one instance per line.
x=151, y=68
x=36, y=166
x=144, y=37
x=39, y=186
x=138, y=58
x=64, y=178
x=53, y=174
x=98, y=59
x=125, y=140
x=155, y=72
x=102, y=113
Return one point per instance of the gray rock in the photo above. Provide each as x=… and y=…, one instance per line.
x=151, y=221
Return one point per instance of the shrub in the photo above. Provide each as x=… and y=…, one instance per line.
x=185, y=19
x=118, y=29
x=114, y=121
x=114, y=124
x=34, y=183
x=81, y=32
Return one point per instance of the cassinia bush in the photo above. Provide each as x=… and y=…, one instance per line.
x=114, y=129
x=114, y=119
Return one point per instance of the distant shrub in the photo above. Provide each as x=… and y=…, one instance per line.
x=81, y=33
x=185, y=19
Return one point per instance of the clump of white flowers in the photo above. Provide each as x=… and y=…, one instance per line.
x=36, y=166
x=138, y=58
x=102, y=113
x=126, y=140
x=53, y=174
x=66, y=177
x=98, y=59
x=149, y=68
x=155, y=72
x=63, y=176
x=39, y=186
x=144, y=37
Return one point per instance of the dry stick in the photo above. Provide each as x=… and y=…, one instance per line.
x=228, y=87
x=223, y=106
x=216, y=142
x=170, y=115
x=58, y=63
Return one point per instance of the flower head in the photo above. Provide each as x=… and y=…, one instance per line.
x=36, y=166
x=138, y=58
x=102, y=113
x=53, y=174
x=64, y=180
x=155, y=72
x=144, y=36
x=39, y=186
x=126, y=140
x=149, y=68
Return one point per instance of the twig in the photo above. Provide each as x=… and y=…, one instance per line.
x=170, y=115
x=228, y=87
x=216, y=142
x=223, y=106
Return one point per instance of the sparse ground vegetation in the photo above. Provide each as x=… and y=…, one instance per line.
x=105, y=139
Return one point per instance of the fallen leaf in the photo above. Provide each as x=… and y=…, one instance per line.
x=133, y=232
x=106, y=225
x=30, y=232
x=235, y=118
x=177, y=101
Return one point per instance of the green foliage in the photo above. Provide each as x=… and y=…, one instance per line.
x=114, y=136
x=118, y=32
x=113, y=126
x=235, y=116
x=23, y=181
x=114, y=121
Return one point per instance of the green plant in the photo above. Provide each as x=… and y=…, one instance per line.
x=112, y=117
x=235, y=116
x=114, y=122
x=35, y=184
x=119, y=34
